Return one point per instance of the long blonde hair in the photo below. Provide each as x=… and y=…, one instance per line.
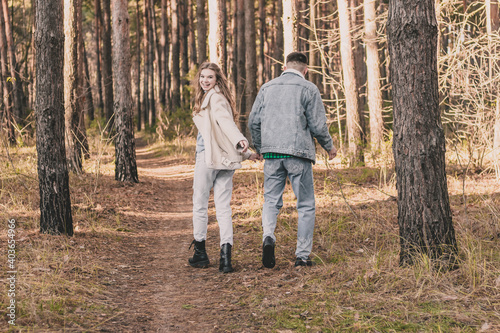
x=220, y=81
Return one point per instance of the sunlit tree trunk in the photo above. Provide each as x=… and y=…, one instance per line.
x=290, y=27
x=71, y=80
x=146, y=102
x=55, y=203
x=355, y=152
x=125, y=164
x=373, y=76
x=251, y=65
x=107, y=66
x=216, y=25
x=424, y=214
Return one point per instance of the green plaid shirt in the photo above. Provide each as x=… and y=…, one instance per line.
x=275, y=155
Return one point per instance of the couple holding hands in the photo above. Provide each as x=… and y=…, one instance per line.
x=286, y=116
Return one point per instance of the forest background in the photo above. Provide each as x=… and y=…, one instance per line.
x=346, y=43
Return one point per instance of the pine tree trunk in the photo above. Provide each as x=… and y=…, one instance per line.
x=290, y=38
x=262, y=74
x=81, y=135
x=215, y=36
x=17, y=92
x=424, y=215
x=251, y=65
x=71, y=80
x=355, y=152
x=98, y=32
x=176, y=76
x=146, y=106
x=493, y=28
x=153, y=59
x=6, y=85
x=107, y=71
x=201, y=26
x=55, y=204
x=89, y=97
x=125, y=163
x=279, y=38
x=138, y=65
x=241, y=62
x=373, y=76
x=184, y=49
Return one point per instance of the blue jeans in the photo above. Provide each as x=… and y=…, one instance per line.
x=299, y=171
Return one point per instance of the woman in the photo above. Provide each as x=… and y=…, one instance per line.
x=220, y=147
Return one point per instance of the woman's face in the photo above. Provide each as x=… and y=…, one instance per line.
x=207, y=79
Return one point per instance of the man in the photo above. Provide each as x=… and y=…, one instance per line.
x=286, y=116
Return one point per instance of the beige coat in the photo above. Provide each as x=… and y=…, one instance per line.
x=220, y=134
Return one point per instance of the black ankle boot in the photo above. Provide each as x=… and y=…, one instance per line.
x=200, y=257
x=225, y=259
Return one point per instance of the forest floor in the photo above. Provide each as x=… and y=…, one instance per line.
x=126, y=270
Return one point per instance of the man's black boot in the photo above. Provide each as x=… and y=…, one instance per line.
x=225, y=259
x=268, y=259
x=200, y=257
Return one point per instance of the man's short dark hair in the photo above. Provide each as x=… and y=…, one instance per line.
x=296, y=57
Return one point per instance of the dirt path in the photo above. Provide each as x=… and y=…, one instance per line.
x=151, y=284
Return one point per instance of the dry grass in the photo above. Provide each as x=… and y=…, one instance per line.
x=357, y=284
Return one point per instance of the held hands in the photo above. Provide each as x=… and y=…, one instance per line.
x=332, y=153
x=255, y=157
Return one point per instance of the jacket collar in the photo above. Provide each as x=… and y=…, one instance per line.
x=208, y=94
x=294, y=71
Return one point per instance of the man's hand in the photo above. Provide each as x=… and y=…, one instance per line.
x=255, y=157
x=332, y=153
x=244, y=145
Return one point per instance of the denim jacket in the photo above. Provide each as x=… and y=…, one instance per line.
x=287, y=115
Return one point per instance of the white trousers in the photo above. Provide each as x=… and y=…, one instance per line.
x=222, y=182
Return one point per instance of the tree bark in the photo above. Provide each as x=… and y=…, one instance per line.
x=279, y=38
x=17, y=92
x=493, y=28
x=215, y=25
x=125, y=163
x=202, y=30
x=251, y=65
x=71, y=80
x=176, y=76
x=241, y=57
x=98, y=31
x=55, y=203
x=138, y=64
x=289, y=27
x=184, y=49
x=89, y=98
x=107, y=71
x=146, y=104
x=355, y=151
x=373, y=76
x=262, y=77
x=153, y=59
x=424, y=215
x=191, y=37
x=6, y=84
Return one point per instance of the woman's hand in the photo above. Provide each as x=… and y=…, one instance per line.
x=243, y=144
